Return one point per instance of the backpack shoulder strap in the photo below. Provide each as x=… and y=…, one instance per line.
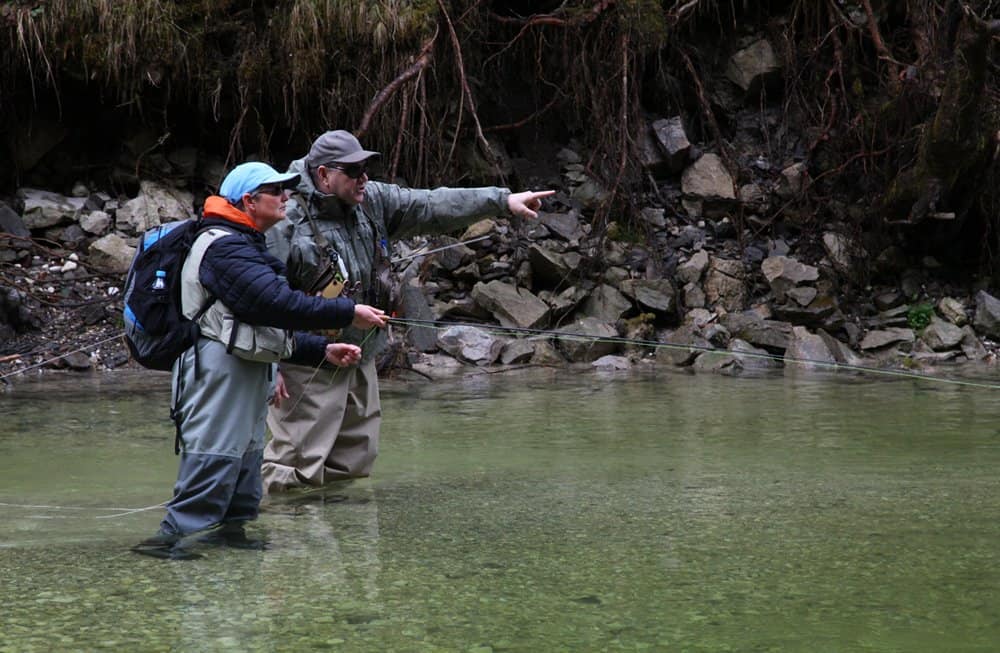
x=195, y=298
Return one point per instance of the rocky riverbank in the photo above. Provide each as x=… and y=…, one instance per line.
x=727, y=255
x=548, y=292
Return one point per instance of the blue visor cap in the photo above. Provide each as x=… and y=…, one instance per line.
x=248, y=177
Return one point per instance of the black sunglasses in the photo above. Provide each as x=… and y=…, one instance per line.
x=352, y=171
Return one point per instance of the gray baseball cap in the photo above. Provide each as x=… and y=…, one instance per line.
x=338, y=146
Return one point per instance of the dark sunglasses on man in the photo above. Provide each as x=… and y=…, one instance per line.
x=352, y=170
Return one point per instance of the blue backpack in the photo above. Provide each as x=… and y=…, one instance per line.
x=156, y=331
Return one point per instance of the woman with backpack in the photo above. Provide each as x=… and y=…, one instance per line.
x=221, y=384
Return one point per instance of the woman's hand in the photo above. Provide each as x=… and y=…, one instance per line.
x=366, y=317
x=341, y=354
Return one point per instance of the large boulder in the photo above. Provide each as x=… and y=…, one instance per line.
x=470, y=344
x=606, y=304
x=707, y=178
x=154, y=205
x=588, y=339
x=725, y=285
x=510, y=305
x=111, y=252
x=987, y=320
x=754, y=67
x=46, y=209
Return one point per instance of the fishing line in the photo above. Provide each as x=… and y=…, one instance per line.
x=52, y=360
x=655, y=344
x=316, y=371
x=119, y=512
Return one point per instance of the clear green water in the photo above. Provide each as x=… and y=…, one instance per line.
x=542, y=512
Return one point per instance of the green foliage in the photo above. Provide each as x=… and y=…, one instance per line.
x=919, y=316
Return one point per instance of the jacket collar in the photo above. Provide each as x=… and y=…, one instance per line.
x=219, y=208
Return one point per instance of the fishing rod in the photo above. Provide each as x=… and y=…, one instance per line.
x=656, y=344
x=416, y=254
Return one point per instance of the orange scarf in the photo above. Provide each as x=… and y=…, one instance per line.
x=219, y=207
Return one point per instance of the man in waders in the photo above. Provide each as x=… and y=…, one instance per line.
x=237, y=294
x=336, y=241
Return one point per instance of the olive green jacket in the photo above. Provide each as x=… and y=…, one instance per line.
x=388, y=212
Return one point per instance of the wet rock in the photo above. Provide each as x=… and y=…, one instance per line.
x=551, y=268
x=753, y=358
x=565, y=302
x=784, y=273
x=565, y=225
x=606, y=304
x=753, y=195
x=11, y=223
x=657, y=295
x=987, y=317
x=95, y=222
x=415, y=306
x=802, y=296
x=454, y=257
x=719, y=362
x=940, y=335
x=694, y=296
x=708, y=178
x=753, y=68
x=684, y=345
x=518, y=350
x=724, y=284
x=479, y=229
x=892, y=317
x=591, y=343
x=586, y=190
x=817, y=313
x=792, y=182
x=155, y=204
x=808, y=350
x=510, y=305
x=673, y=142
x=772, y=335
x=612, y=362
x=885, y=337
x=971, y=345
x=46, y=209
x=436, y=366
x=77, y=361
x=111, y=252
x=952, y=310
x=687, y=237
x=842, y=353
x=655, y=218
x=470, y=344
x=546, y=353
x=842, y=251
x=888, y=300
x=691, y=270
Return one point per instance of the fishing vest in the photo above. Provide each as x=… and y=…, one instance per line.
x=261, y=344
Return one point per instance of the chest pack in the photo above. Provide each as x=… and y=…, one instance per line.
x=156, y=330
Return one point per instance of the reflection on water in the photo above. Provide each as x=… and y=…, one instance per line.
x=541, y=512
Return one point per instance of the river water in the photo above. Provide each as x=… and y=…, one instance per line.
x=543, y=511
